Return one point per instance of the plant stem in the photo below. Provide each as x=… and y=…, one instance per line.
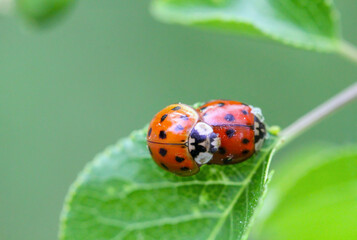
x=317, y=114
x=348, y=51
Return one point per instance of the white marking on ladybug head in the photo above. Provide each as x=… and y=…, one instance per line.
x=203, y=128
x=257, y=112
x=215, y=144
x=256, y=128
x=259, y=133
x=203, y=157
x=202, y=143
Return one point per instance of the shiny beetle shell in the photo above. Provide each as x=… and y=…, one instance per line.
x=239, y=127
x=167, y=138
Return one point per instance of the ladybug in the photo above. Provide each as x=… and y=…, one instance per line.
x=179, y=142
x=240, y=128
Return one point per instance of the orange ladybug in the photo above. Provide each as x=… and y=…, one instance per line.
x=179, y=142
x=240, y=128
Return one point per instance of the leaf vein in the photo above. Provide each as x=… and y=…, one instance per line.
x=165, y=221
x=225, y=214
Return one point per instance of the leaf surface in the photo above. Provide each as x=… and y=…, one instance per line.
x=122, y=194
x=310, y=24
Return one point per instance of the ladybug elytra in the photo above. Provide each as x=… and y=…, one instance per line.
x=239, y=126
x=181, y=139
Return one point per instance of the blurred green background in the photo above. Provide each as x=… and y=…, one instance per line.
x=70, y=90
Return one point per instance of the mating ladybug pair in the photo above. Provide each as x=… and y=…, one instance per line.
x=181, y=139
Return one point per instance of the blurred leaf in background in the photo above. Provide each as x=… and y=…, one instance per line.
x=37, y=12
x=42, y=11
x=313, y=196
x=310, y=24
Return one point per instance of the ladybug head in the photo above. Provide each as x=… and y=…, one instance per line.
x=202, y=143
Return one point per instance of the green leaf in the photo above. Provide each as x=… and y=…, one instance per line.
x=123, y=194
x=42, y=12
x=314, y=197
x=310, y=24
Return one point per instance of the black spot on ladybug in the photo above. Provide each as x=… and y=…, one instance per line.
x=230, y=132
x=183, y=146
x=179, y=128
x=185, y=169
x=164, y=166
x=203, y=108
x=222, y=150
x=244, y=112
x=245, y=141
x=179, y=159
x=150, y=150
x=221, y=104
x=184, y=117
x=229, y=118
x=163, y=117
x=245, y=152
x=162, y=135
x=176, y=108
x=162, y=152
x=149, y=132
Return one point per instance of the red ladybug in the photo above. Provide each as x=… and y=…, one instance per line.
x=240, y=128
x=179, y=142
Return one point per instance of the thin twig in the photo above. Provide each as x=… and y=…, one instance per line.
x=317, y=114
x=348, y=51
